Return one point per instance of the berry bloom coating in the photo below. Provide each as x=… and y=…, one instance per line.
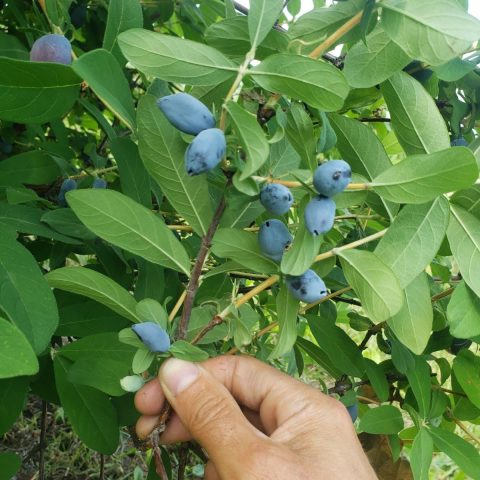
x=276, y=198
x=99, y=183
x=132, y=383
x=186, y=113
x=459, y=142
x=332, y=177
x=319, y=215
x=205, y=152
x=273, y=239
x=67, y=185
x=52, y=48
x=353, y=411
x=153, y=336
x=308, y=288
x=459, y=344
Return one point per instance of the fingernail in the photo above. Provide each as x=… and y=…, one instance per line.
x=177, y=375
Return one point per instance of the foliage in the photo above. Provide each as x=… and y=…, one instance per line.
x=79, y=266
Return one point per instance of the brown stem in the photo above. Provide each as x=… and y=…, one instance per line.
x=444, y=294
x=159, y=467
x=371, y=332
x=374, y=119
x=197, y=270
x=463, y=427
x=446, y=390
x=216, y=320
x=368, y=400
x=182, y=463
x=102, y=467
x=42, y=443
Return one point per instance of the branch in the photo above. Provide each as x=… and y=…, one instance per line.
x=374, y=119
x=463, y=427
x=101, y=476
x=444, y=294
x=42, y=444
x=192, y=288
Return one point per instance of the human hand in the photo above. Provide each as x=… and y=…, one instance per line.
x=254, y=421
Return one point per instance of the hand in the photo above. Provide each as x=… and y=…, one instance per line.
x=254, y=421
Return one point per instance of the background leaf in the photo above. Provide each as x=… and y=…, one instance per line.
x=385, y=419
x=421, y=455
x=261, y=17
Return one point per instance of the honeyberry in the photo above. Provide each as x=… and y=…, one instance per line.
x=67, y=185
x=274, y=238
x=52, y=48
x=353, y=411
x=332, y=177
x=153, y=336
x=205, y=152
x=276, y=198
x=99, y=183
x=459, y=142
x=308, y=287
x=186, y=113
x=319, y=215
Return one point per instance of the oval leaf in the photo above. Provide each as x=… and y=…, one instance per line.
x=385, y=419
x=261, y=17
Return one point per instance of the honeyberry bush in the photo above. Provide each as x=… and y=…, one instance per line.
x=395, y=338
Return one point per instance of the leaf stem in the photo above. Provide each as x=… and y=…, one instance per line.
x=177, y=306
x=463, y=427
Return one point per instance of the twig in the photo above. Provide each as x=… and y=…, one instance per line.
x=182, y=463
x=42, y=443
x=177, y=306
x=192, y=288
x=446, y=390
x=94, y=172
x=374, y=119
x=102, y=467
x=368, y=400
x=444, y=294
x=332, y=39
x=370, y=333
x=294, y=184
x=157, y=458
x=463, y=427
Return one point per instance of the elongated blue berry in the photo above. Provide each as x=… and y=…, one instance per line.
x=205, y=152
x=153, y=336
x=332, y=177
x=186, y=113
x=353, y=411
x=52, y=48
x=276, y=198
x=99, y=183
x=308, y=287
x=319, y=215
x=459, y=142
x=67, y=185
x=274, y=238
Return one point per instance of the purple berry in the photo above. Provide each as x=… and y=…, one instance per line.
x=52, y=48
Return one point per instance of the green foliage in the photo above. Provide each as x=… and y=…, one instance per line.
x=401, y=263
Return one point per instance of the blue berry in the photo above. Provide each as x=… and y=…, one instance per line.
x=353, y=411
x=319, y=215
x=67, y=185
x=274, y=238
x=205, y=152
x=276, y=198
x=186, y=113
x=308, y=287
x=52, y=48
x=332, y=177
x=459, y=142
x=99, y=183
x=153, y=336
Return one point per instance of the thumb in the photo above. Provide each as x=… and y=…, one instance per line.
x=207, y=409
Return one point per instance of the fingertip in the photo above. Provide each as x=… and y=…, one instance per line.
x=145, y=425
x=149, y=399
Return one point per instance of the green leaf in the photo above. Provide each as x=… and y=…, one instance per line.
x=377, y=378
x=96, y=286
x=25, y=297
x=466, y=368
x=261, y=17
x=175, y=59
x=416, y=120
x=104, y=374
x=231, y=37
x=142, y=360
x=412, y=325
x=454, y=70
x=464, y=238
x=186, y=351
x=342, y=351
x=374, y=282
x=12, y=47
x=464, y=454
x=122, y=15
x=371, y=64
x=64, y=220
x=421, y=178
x=16, y=354
x=150, y=310
x=469, y=199
x=419, y=379
x=35, y=167
x=385, y=419
x=12, y=400
x=10, y=464
x=463, y=312
x=421, y=455
x=319, y=357
x=300, y=134
x=91, y=413
x=242, y=247
x=134, y=178
x=414, y=238
x=363, y=149
x=251, y=137
x=433, y=31
x=105, y=77
x=315, y=82
x=302, y=253
x=121, y=221
x=162, y=150
x=287, y=309
x=36, y=92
